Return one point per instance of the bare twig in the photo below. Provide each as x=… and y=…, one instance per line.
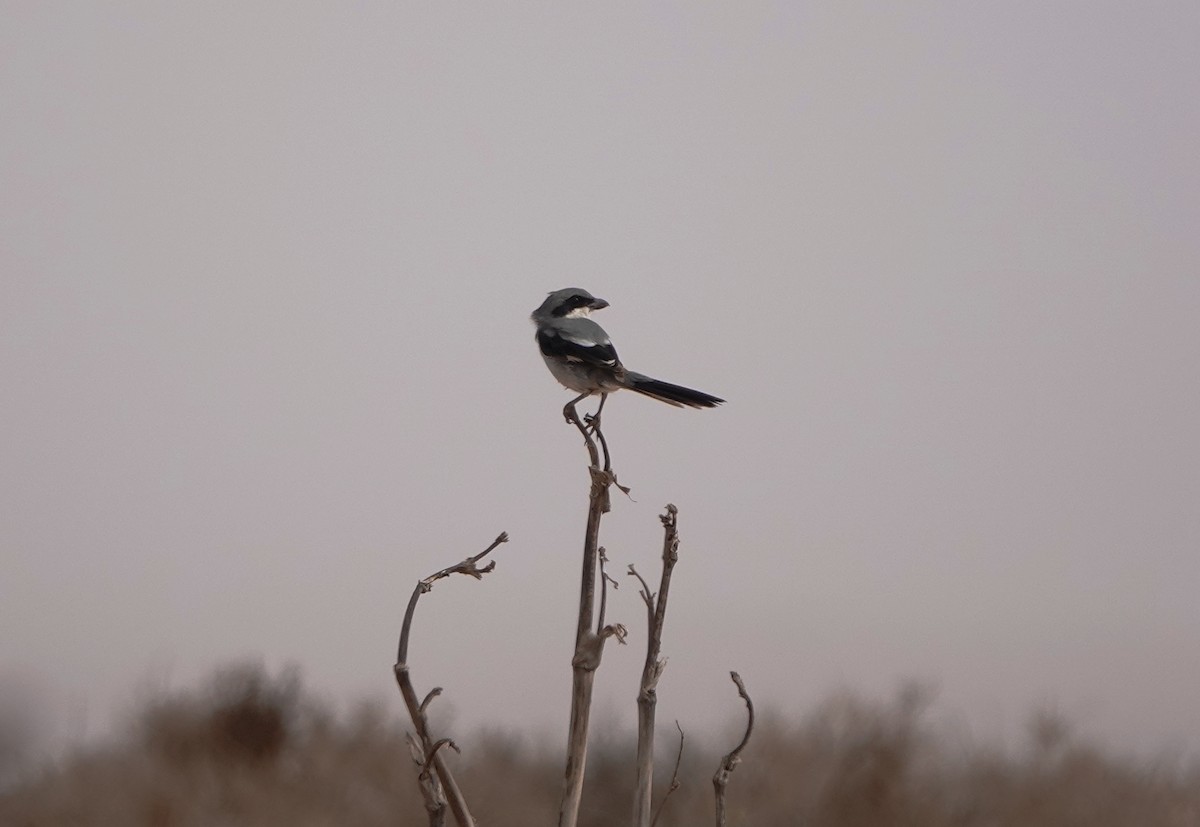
x=646, y=594
x=656, y=608
x=598, y=505
x=417, y=709
x=614, y=630
x=591, y=425
x=433, y=693
x=674, y=785
x=594, y=647
x=438, y=744
x=730, y=762
x=594, y=423
x=605, y=581
x=589, y=644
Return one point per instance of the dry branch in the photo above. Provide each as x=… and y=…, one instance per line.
x=656, y=611
x=428, y=748
x=730, y=761
x=674, y=785
x=589, y=644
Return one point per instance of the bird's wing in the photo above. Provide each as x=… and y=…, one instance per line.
x=578, y=340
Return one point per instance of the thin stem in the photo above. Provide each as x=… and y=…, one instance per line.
x=674, y=785
x=467, y=567
x=656, y=609
x=589, y=645
x=417, y=708
x=605, y=581
x=730, y=762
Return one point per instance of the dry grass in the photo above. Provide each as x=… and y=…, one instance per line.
x=253, y=749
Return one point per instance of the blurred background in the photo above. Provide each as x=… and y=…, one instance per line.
x=265, y=278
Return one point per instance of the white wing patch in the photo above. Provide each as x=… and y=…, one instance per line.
x=583, y=342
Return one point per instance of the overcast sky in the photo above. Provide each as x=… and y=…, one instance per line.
x=266, y=358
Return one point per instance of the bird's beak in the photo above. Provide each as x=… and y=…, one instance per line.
x=598, y=304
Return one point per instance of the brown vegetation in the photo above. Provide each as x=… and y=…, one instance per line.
x=253, y=749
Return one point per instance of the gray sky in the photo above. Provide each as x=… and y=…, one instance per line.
x=265, y=347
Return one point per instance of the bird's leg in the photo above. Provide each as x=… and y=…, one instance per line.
x=593, y=420
x=569, y=413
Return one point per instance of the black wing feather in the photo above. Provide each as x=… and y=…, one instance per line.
x=552, y=343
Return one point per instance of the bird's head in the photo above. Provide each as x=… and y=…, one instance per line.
x=568, y=303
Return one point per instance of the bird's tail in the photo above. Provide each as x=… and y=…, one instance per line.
x=676, y=395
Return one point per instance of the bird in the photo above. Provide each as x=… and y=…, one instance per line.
x=582, y=358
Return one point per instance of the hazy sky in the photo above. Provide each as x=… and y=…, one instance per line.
x=266, y=358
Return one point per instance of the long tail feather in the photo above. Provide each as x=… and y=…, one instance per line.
x=676, y=395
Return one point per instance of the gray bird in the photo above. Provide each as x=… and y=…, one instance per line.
x=583, y=359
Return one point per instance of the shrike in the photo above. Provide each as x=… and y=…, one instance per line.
x=583, y=359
